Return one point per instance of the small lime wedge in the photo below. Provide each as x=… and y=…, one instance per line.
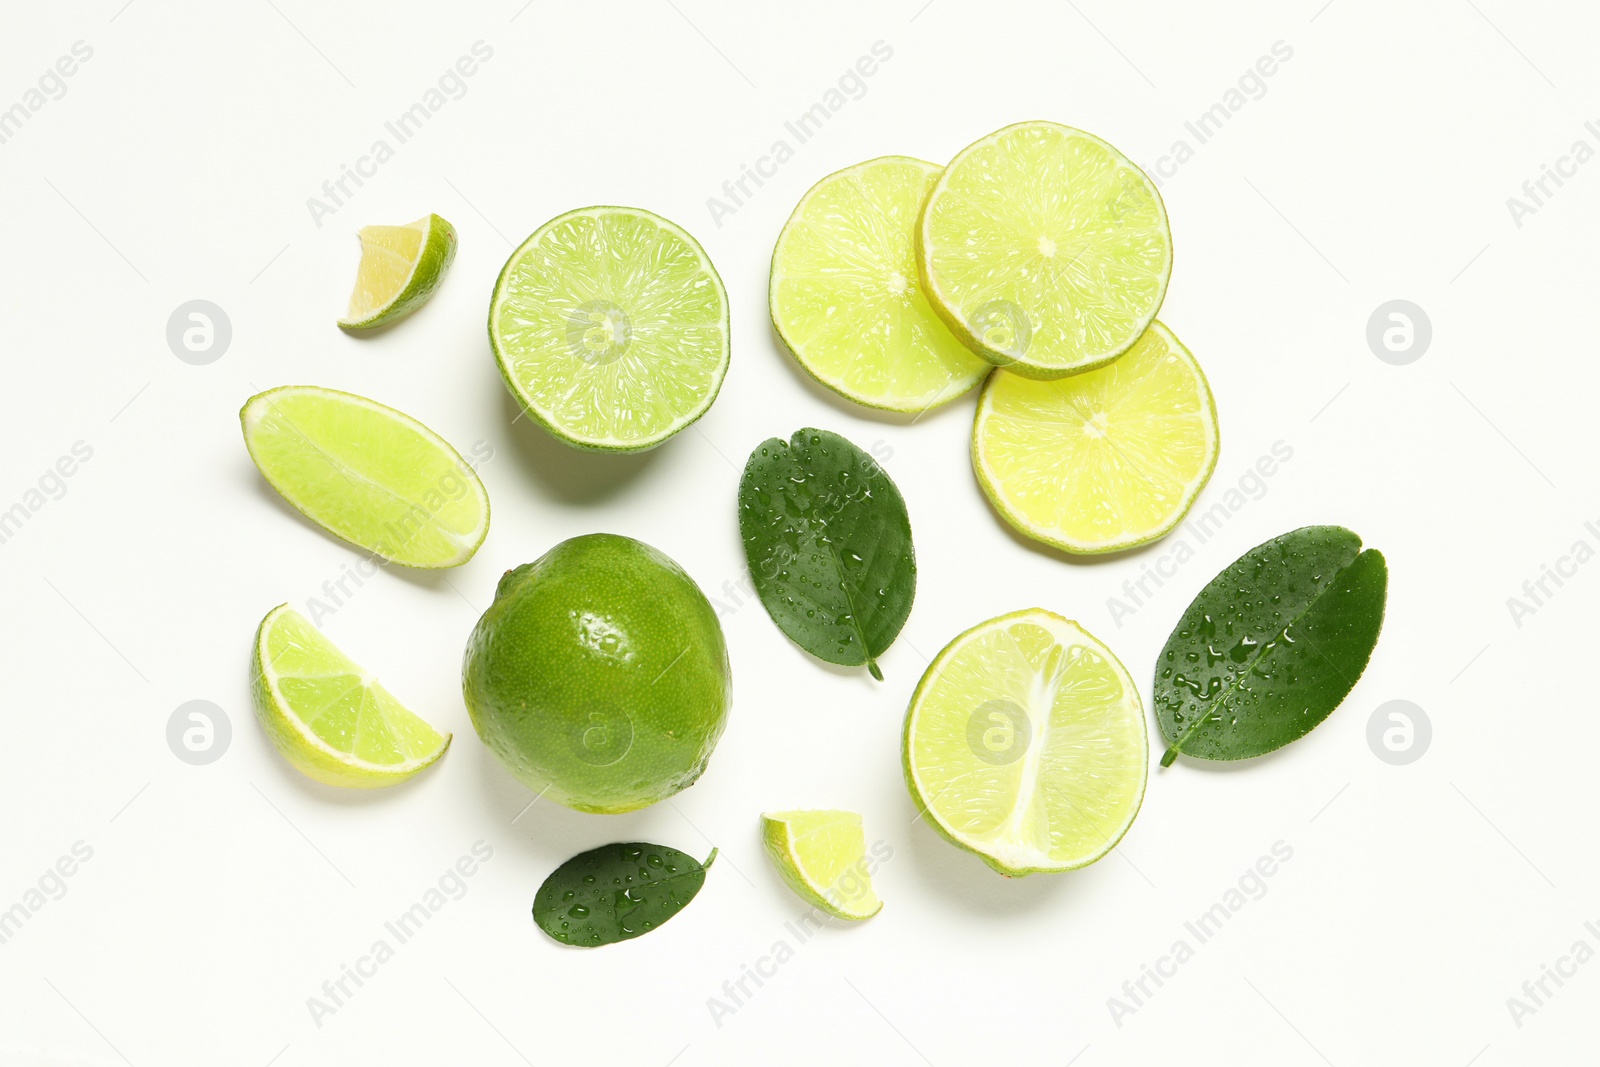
x=1045, y=249
x=1025, y=743
x=367, y=473
x=401, y=266
x=822, y=856
x=327, y=716
x=845, y=297
x=610, y=326
x=1101, y=461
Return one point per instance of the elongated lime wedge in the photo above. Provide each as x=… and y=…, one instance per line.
x=845, y=297
x=1025, y=743
x=611, y=328
x=367, y=473
x=1045, y=249
x=401, y=266
x=329, y=718
x=1101, y=461
x=822, y=856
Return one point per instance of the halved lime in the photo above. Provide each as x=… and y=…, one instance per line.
x=329, y=718
x=845, y=297
x=401, y=266
x=611, y=328
x=1105, y=460
x=367, y=473
x=822, y=856
x=1045, y=249
x=1025, y=743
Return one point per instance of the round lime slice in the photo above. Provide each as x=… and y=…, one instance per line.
x=1025, y=743
x=401, y=266
x=1101, y=461
x=1044, y=249
x=327, y=716
x=367, y=473
x=822, y=856
x=611, y=328
x=845, y=297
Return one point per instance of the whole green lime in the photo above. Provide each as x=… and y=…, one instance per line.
x=599, y=675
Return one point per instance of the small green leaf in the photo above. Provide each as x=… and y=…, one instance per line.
x=616, y=892
x=829, y=545
x=1271, y=646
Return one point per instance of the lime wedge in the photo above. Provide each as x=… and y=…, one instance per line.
x=330, y=718
x=822, y=855
x=1045, y=249
x=401, y=266
x=1105, y=460
x=367, y=473
x=611, y=328
x=845, y=297
x=1025, y=743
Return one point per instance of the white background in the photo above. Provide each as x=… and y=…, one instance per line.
x=219, y=898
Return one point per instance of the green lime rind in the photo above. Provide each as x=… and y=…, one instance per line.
x=664, y=352
x=314, y=756
x=1016, y=304
x=1028, y=861
x=368, y=474
x=850, y=247
x=815, y=868
x=427, y=274
x=1010, y=503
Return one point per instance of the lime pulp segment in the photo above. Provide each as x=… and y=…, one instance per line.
x=1104, y=460
x=822, y=856
x=367, y=473
x=401, y=267
x=1044, y=249
x=329, y=718
x=1025, y=743
x=610, y=326
x=845, y=297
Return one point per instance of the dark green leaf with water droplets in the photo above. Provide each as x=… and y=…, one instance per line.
x=829, y=545
x=616, y=892
x=1271, y=646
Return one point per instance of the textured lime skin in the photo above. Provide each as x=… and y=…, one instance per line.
x=438, y=252
x=599, y=675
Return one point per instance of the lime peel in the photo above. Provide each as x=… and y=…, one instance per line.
x=401, y=268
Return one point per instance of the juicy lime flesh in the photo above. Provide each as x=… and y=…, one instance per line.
x=611, y=327
x=369, y=474
x=599, y=676
x=846, y=297
x=337, y=702
x=1103, y=460
x=1026, y=744
x=822, y=855
x=1047, y=248
x=388, y=256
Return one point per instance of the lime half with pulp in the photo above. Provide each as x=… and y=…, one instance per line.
x=1101, y=461
x=610, y=326
x=1025, y=743
x=1045, y=249
x=327, y=716
x=845, y=297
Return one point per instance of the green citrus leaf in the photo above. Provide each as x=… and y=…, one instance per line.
x=829, y=545
x=1271, y=646
x=617, y=892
